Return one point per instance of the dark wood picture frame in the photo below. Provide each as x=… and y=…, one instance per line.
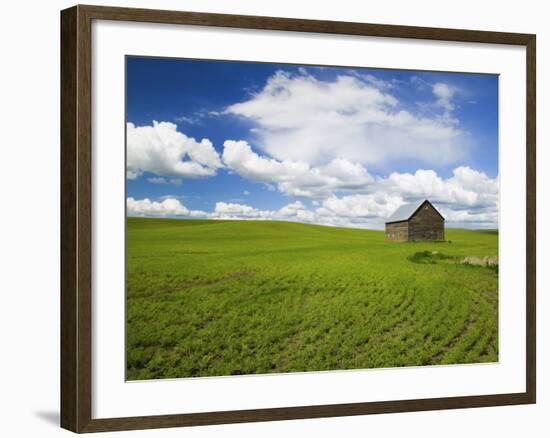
x=76, y=218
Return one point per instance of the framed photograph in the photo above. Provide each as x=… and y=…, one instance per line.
x=269, y=219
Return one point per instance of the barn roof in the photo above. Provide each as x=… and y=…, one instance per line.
x=406, y=211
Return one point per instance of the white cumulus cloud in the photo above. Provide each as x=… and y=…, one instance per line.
x=467, y=188
x=296, y=178
x=348, y=195
x=370, y=206
x=166, y=207
x=304, y=119
x=294, y=211
x=163, y=150
x=229, y=210
x=163, y=180
x=444, y=94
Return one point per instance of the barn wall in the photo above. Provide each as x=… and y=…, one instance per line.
x=398, y=231
x=426, y=224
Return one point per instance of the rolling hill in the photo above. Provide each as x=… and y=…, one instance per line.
x=211, y=298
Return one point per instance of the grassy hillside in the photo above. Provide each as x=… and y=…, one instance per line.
x=245, y=297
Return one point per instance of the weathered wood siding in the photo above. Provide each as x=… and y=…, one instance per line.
x=398, y=231
x=426, y=224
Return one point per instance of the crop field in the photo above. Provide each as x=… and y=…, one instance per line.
x=212, y=298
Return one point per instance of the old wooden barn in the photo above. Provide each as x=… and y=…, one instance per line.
x=416, y=221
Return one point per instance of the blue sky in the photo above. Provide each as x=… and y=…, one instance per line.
x=338, y=146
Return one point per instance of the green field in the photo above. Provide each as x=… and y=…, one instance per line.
x=208, y=298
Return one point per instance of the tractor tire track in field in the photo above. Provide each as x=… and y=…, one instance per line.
x=466, y=328
x=187, y=285
x=230, y=277
x=487, y=343
x=193, y=284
